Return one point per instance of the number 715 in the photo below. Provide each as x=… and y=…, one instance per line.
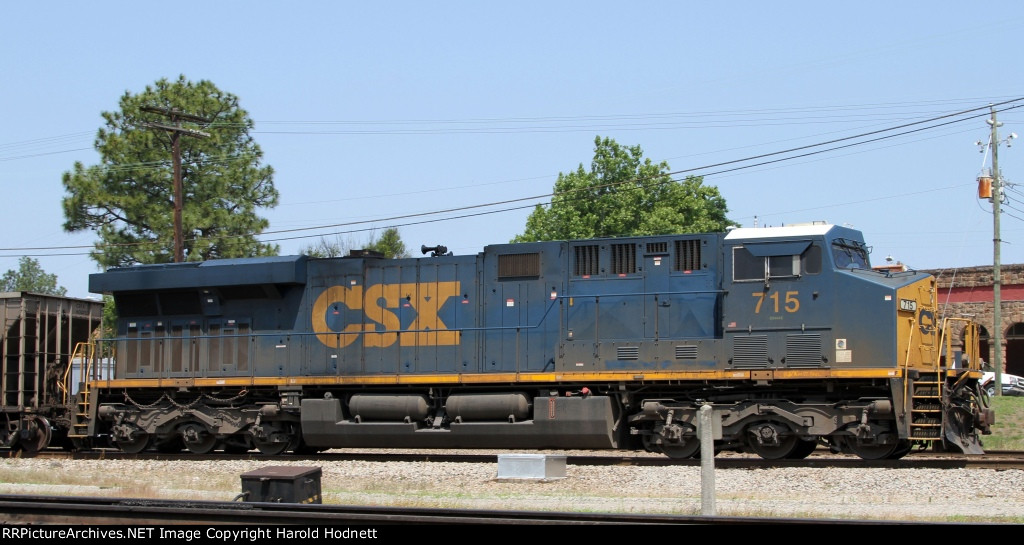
x=790, y=304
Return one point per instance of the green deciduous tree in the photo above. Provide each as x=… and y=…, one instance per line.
x=31, y=277
x=128, y=199
x=624, y=194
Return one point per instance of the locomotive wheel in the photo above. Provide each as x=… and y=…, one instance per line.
x=803, y=449
x=135, y=445
x=198, y=440
x=679, y=448
x=288, y=436
x=270, y=448
x=204, y=446
x=783, y=449
x=864, y=451
x=902, y=450
x=676, y=451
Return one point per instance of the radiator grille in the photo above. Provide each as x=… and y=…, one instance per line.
x=628, y=352
x=518, y=265
x=750, y=352
x=803, y=351
x=687, y=255
x=623, y=258
x=587, y=260
x=657, y=247
x=686, y=352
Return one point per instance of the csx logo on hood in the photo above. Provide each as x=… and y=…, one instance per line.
x=373, y=314
x=926, y=321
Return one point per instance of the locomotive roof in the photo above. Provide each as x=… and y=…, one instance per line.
x=818, y=229
x=218, y=272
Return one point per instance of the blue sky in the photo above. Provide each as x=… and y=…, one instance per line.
x=369, y=111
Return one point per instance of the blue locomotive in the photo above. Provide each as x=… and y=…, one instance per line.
x=787, y=333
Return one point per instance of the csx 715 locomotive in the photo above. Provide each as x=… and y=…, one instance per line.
x=787, y=333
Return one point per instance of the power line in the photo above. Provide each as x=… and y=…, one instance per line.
x=669, y=174
x=699, y=119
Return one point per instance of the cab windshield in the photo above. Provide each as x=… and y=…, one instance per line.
x=850, y=254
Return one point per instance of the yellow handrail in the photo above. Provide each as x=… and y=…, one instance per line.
x=970, y=349
x=85, y=351
x=906, y=369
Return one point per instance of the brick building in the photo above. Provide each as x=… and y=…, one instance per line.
x=968, y=292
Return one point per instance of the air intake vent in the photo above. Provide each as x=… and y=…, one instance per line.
x=750, y=352
x=629, y=352
x=687, y=255
x=686, y=352
x=657, y=247
x=623, y=258
x=587, y=260
x=518, y=266
x=803, y=351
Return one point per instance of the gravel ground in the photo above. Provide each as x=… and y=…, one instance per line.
x=949, y=495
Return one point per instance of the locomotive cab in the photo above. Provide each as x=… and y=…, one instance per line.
x=806, y=297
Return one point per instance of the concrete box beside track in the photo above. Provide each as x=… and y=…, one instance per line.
x=531, y=466
x=282, y=484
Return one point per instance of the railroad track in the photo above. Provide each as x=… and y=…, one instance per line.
x=822, y=458
x=141, y=515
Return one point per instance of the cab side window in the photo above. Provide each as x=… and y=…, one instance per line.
x=810, y=261
x=758, y=264
x=746, y=266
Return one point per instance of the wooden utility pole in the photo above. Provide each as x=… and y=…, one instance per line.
x=997, y=303
x=176, y=116
x=997, y=280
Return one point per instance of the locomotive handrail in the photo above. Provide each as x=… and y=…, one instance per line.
x=907, y=402
x=555, y=301
x=801, y=327
x=638, y=293
x=536, y=325
x=543, y=317
x=85, y=351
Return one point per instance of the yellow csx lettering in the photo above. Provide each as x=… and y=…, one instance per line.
x=375, y=302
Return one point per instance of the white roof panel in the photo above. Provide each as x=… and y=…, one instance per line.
x=779, y=232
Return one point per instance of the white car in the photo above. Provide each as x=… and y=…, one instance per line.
x=1012, y=384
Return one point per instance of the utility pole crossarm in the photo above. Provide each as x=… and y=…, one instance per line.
x=173, y=128
x=175, y=114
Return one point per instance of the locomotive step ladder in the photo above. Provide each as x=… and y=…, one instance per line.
x=80, y=420
x=926, y=406
x=922, y=395
x=83, y=353
x=925, y=395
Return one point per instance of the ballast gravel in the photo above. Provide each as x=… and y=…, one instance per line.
x=944, y=495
